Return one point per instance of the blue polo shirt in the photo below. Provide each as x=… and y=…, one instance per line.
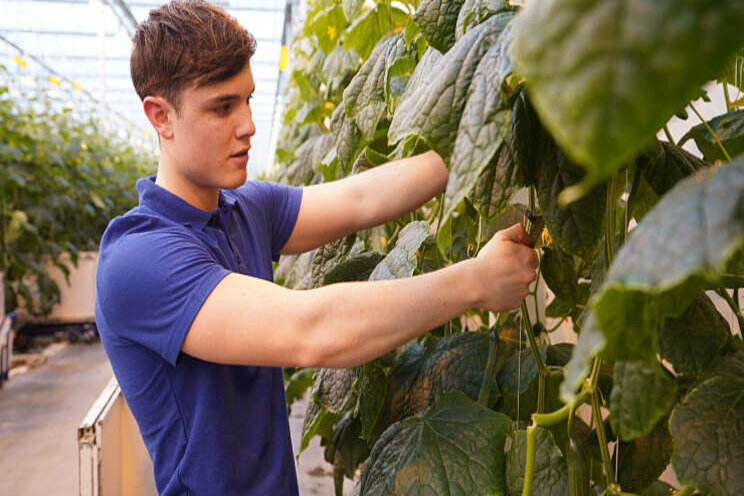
x=209, y=428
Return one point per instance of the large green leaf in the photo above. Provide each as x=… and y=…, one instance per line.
x=685, y=242
x=550, y=476
x=309, y=156
x=559, y=270
x=496, y=185
x=354, y=268
x=420, y=375
x=576, y=227
x=373, y=386
x=348, y=138
x=338, y=67
x=454, y=447
x=644, y=459
x=436, y=95
x=364, y=98
x=728, y=128
x=473, y=12
x=327, y=26
x=708, y=433
x=605, y=75
x=691, y=341
x=642, y=393
x=498, y=182
x=352, y=8
x=367, y=29
x=590, y=343
x=401, y=261
x=346, y=450
x=328, y=256
x=332, y=394
x=437, y=19
x=664, y=165
x=519, y=381
x=483, y=125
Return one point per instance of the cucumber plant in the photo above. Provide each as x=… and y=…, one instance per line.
x=559, y=102
x=63, y=176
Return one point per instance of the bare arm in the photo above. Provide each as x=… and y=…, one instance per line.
x=250, y=321
x=332, y=210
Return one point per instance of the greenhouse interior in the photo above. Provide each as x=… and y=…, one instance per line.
x=357, y=247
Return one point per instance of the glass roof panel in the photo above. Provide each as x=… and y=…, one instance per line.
x=85, y=44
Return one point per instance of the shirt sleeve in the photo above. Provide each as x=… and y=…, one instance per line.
x=151, y=285
x=282, y=204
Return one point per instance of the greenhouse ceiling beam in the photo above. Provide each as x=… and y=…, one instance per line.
x=224, y=5
x=54, y=73
x=122, y=12
x=112, y=58
x=54, y=32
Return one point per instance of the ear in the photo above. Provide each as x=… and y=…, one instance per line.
x=160, y=114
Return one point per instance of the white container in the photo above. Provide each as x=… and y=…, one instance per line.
x=6, y=347
x=77, y=298
x=112, y=458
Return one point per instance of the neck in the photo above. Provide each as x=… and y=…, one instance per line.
x=202, y=197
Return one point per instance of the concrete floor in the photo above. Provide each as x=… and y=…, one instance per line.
x=39, y=415
x=40, y=411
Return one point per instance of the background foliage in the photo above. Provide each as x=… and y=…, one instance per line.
x=561, y=100
x=63, y=176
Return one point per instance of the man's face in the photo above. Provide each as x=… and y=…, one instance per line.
x=212, y=134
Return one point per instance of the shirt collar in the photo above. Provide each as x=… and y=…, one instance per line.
x=175, y=208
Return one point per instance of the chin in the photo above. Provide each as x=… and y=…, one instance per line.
x=236, y=180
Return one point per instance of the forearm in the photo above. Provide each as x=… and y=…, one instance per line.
x=351, y=323
x=392, y=190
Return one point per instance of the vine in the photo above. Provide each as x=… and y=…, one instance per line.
x=470, y=80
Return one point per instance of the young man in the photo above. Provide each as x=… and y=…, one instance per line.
x=194, y=327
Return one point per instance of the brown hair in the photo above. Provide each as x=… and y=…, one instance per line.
x=185, y=43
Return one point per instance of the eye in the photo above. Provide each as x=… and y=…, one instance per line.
x=223, y=109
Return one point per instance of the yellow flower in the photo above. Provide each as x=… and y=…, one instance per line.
x=331, y=32
x=19, y=60
x=383, y=240
x=54, y=80
x=545, y=236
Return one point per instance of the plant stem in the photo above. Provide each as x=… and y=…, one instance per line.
x=531, y=336
x=726, y=96
x=684, y=491
x=610, y=222
x=552, y=418
x=713, y=133
x=542, y=419
x=488, y=373
x=602, y=439
x=541, y=368
x=723, y=293
x=529, y=466
x=441, y=214
x=668, y=134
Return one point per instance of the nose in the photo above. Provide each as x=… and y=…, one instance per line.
x=246, y=127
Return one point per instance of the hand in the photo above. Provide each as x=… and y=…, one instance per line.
x=505, y=268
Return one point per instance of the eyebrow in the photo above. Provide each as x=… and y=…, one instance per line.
x=227, y=98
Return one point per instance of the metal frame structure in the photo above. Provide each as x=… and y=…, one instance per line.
x=88, y=59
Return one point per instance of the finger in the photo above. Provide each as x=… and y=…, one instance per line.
x=515, y=233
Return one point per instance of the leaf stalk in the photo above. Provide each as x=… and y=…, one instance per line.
x=713, y=133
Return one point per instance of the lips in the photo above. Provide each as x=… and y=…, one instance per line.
x=241, y=153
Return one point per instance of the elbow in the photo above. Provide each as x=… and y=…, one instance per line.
x=315, y=346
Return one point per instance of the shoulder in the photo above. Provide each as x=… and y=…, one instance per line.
x=139, y=245
x=263, y=193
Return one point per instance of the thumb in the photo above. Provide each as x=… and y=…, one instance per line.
x=516, y=234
